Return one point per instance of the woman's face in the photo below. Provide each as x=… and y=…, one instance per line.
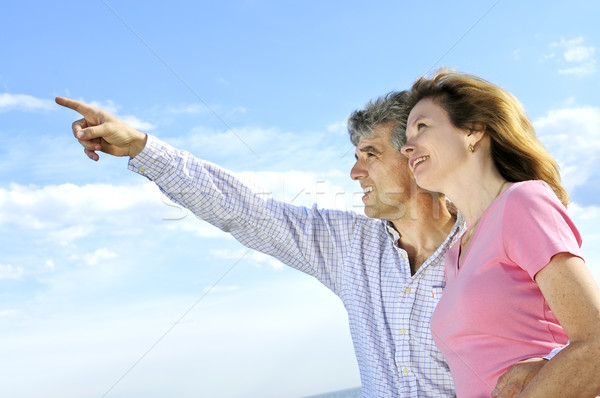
x=436, y=149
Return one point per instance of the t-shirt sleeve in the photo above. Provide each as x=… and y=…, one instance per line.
x=536, y=227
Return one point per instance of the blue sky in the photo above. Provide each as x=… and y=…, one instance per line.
x=108, y=289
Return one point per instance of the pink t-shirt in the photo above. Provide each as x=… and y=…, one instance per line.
x=492, y=313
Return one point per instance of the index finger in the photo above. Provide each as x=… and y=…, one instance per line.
x=82, y=108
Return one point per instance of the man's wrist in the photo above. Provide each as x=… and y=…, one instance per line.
x=138, y=144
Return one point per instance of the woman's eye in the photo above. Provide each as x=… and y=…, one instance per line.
x=421, y=126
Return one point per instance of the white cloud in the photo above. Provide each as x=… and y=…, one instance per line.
x=517, y=54
x=238, y=109
x=66, y=236
x=9, y=313
x=186, y=221
x=586, y=219
x=582, y=70
x=137, y=123
x=339, y=127
x=198, y=108
x=548, y=56
x=573, y=137
x=579, y=53
x=10, y=272
x=574, y=50
x=584, y=212
x=71, y=209
x=62, y=218
x=251, y=256
x=577, y=58
x=108, y=105
x=211, y=141
x=270, y=149
x=24, y=102
x=191, y=109
x=73, y=212
x=98, y=257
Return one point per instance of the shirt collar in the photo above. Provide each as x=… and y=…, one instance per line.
x=457, y=230
x=392, y=233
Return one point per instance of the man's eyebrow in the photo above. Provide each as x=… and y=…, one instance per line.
x=370, y=148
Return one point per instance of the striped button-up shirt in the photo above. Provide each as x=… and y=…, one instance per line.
x=389, y=310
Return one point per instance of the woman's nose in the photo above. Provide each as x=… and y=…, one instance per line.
x=407, y=149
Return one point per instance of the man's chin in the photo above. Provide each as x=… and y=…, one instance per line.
x=388, y=214
x=371, y=211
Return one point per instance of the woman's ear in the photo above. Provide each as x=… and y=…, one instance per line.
x=475, y=133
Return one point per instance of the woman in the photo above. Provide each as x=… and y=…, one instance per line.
x=516, y=284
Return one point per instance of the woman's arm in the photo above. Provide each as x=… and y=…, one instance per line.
x=574, y=297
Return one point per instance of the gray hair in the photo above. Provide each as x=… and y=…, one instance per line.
x=390, y=108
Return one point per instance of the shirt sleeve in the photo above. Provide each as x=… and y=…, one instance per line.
x=536, y=227
x=312, y=240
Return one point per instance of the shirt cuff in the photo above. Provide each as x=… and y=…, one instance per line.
x=555, y=351
x=153, y=159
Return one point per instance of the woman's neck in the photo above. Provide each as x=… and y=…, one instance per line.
x=474, y=192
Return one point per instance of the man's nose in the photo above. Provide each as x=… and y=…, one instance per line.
x=358, y=171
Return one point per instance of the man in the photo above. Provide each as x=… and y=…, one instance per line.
x=387, y=268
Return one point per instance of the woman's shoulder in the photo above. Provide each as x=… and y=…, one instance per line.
x=525, y=191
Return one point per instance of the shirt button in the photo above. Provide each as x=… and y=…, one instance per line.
x=402, y=331
x=405, y=371
x=407, y=290
x=142, y=169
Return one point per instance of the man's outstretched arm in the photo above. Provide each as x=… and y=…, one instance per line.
x=101, y=131
x=312, y=240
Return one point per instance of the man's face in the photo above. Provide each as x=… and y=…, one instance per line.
x=383, y=174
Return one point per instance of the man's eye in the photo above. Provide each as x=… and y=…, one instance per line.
x=421, y=126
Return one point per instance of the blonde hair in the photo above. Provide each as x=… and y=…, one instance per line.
x=470, y=100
